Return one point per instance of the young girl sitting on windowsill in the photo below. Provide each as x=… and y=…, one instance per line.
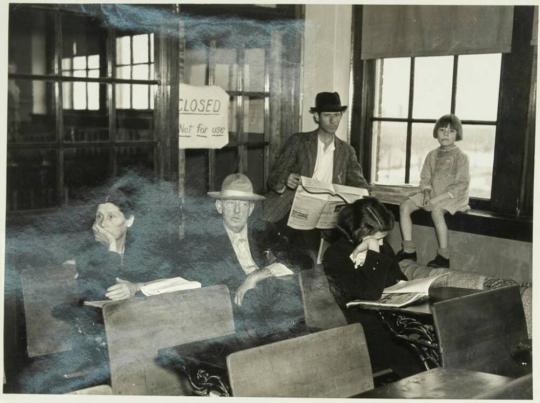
x=444, y=185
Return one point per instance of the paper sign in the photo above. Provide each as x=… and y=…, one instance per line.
x=204, y=117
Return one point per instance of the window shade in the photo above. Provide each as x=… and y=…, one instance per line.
x=405, y=31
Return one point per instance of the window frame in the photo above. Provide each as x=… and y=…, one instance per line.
x=475, y=202
x=512, y=184
x=59, y=144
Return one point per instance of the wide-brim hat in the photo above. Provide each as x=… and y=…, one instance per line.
x=328, y=102
x=236, y=187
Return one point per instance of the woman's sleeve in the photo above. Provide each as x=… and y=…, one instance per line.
x=460, y=186
x=366, y=282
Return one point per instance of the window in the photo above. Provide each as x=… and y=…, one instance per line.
x=134, y=61
x=68, y=129
x=80, y=95
x=412, y=93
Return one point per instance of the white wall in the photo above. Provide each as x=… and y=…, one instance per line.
x=327, y=55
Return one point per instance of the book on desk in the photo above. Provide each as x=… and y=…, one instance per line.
x=401, y=294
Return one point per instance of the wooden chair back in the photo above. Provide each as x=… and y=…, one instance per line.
x=44, y=288
x=330, y=363
x=137, y=328
x=481, y=331
x=320, y=308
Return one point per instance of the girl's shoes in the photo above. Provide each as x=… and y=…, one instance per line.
x=402, y=255
x=439, y=261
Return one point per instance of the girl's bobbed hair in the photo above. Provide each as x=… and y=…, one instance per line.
x=454, y=123
x=364, y=217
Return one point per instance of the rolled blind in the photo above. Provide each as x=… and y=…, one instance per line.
x=405, y=30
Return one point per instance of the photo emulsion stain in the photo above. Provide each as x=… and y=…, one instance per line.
x=258, y=200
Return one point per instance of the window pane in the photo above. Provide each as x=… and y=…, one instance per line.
x=479, y=145
x=152, y=48
x=123, y=96
x=93, y=62
x=83, y=40
x=93, y=96
x=79, y=73
x=392, y=87
x=31, y=179
x=432, y=86
x=477, y=93
x=67, y=95
x=254, y=70
x=422, y=143
x=140, y=96
x=123, y=50
x=79, y=95
x=31, y=111
x=389, y=142
x=225, y=68
x=79, y=62
x=232, y=119
x=254, y=117
x=123, y=72
x=134, y=125
x=140, y=72
x=153, y=89
x=31, y=39
x=67, y=63
x=140, y=48
x=195, y=63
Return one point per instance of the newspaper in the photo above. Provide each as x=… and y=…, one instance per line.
x=401, y=294
x=317, y=204
x=155, y=287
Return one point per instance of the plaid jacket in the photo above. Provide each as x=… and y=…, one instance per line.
x=299, y=155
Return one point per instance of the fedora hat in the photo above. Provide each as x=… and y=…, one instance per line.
x=236, y=187
x=327, y=102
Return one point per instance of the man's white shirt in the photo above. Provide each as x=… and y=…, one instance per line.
x=324, y=165
x=240, y=244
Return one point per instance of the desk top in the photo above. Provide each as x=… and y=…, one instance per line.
x=439, y=383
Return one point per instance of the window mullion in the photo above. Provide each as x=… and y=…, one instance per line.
x=454, y=85
x=58, y=110
x=111, y=98
x=409, y=124
x=211, y=80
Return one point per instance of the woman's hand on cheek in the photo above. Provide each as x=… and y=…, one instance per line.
x=362, y=247
x=372, y=243
x=103, y=237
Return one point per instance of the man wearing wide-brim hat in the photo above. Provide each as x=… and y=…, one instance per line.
x=318, y=154
x=257, y=266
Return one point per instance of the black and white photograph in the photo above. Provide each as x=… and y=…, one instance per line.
x=267, y=199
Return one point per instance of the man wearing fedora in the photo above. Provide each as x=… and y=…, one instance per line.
x=319, y=154
x=257, y=266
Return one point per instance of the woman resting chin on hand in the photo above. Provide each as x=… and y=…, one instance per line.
x=360, y=265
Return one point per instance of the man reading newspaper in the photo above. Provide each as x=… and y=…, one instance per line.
x=319, y=155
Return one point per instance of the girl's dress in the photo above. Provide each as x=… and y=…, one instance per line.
x=445, y=171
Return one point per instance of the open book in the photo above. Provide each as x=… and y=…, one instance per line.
x=156, y=287
x=317, y=204
x=401, y=294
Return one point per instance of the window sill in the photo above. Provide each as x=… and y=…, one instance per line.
x=478, y=222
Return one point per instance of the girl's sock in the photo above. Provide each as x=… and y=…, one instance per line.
x=409, y=246
x=444, y=253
